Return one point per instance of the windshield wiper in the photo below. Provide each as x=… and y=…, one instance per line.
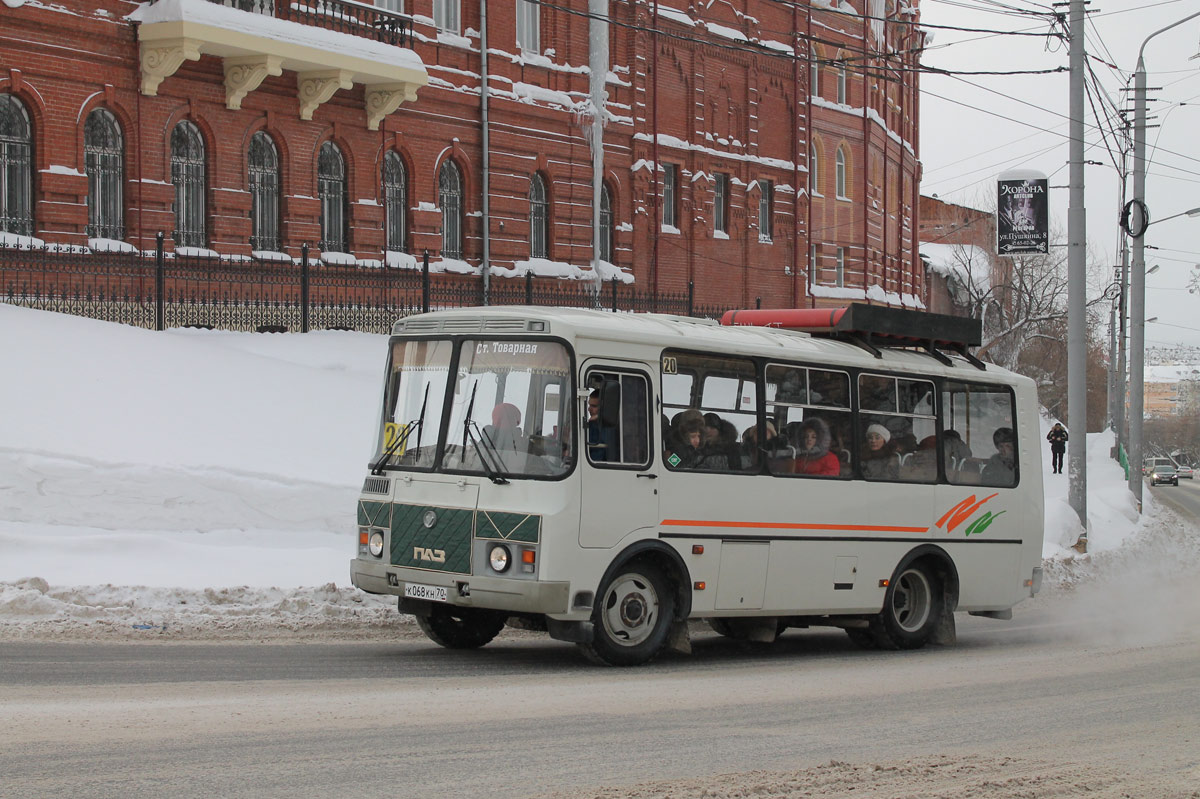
x=401, y=440
x=484, y=445
x=493, y=473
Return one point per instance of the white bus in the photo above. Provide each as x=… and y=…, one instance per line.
x=609, y=477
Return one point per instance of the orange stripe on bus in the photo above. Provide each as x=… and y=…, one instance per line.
x=881, y=528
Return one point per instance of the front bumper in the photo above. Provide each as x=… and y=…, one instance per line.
x=465, y=590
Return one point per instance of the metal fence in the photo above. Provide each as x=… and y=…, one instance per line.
x=158, y=290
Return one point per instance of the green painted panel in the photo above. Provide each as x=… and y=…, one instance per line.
x=445, y=547
x=375, y=514
x=522, y=527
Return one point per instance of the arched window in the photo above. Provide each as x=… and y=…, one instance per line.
x=187, y=173
x=263, y=164
x=104, y=162
x=840, y=173
x=814, y=170
x=606, y=224
x=450, y=200
x=16, y=167
x=539, y=218
x=395, y=201
x=331, y=188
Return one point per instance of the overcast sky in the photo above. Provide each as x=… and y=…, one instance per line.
x=1021, y=121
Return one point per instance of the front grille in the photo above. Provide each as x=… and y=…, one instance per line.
x=376, y=485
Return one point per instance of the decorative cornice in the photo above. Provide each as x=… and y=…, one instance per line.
x=161, y=58
x=381, y=99
x=245, y=74
x=314, y=88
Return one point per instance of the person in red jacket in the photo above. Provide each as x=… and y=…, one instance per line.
x=813, y=456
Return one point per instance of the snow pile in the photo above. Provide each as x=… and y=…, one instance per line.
x=200, y=482
x=1112, y=514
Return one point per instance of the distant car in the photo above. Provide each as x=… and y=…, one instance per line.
x=1149, y=464
x=1185, y=472
x=1164, y=474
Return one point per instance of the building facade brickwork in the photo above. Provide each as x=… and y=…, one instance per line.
x=817, y=182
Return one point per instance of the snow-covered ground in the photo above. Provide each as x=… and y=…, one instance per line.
x=203, y=483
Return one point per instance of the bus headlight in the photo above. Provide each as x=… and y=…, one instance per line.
x=376, y=543
x=499, y=558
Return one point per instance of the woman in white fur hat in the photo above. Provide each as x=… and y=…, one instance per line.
x=877, y=457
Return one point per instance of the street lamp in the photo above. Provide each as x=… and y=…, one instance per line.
x=1137, y=286
x=1193, y=212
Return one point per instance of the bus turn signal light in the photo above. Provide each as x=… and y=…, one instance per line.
x=697, y=549
x=528, y=555
x=884, y=583
x=699, y=586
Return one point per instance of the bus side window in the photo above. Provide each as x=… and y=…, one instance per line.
x=980, y=435
x=616, y=429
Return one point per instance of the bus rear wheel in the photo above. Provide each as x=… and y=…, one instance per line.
x=912, y=608
x=632, y=618
x=461, y=628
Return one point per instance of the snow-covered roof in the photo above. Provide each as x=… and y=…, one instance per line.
x=1172, y=373
x=965, y=262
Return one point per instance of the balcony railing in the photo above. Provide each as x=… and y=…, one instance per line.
x=344, y=16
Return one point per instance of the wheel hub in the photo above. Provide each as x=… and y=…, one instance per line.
x=633, y=610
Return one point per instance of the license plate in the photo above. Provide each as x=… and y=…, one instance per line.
x=434, y=593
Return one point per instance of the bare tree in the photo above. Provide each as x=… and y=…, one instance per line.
x=1022, y=304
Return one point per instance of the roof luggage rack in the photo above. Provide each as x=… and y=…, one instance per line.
x=873, y=327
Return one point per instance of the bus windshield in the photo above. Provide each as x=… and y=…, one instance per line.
x=510, y=409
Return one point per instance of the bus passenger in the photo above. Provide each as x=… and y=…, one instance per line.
x=601, y=438
x=1000, y=470
x=688, y=427
x=505, y=430
x=813, y=456
x=879, y=461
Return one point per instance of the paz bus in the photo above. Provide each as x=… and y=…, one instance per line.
x=610, y=477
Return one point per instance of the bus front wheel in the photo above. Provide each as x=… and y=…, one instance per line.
x=632, y=618
x=461, y=628
x=912, y=608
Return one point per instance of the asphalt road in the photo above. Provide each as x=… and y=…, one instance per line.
x=1105, y=681
x=1184, y=498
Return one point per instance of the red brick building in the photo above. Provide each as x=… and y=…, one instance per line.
x=958, y=244
x=760, y=149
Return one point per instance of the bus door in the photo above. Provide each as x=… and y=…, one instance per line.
x=619, y=485
x=978, y=503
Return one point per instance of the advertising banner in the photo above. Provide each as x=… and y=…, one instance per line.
x=1022, y=214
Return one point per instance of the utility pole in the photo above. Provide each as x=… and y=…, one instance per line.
x=1077, y=284
x=1137, y=282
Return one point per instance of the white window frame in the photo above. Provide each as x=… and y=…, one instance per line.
x=840, y=277
x=721, y=203
x=841, y=85
x=766, y=191
x=447, y=16
x=529, y=26
x=840, y=174
x=670, y=211
x=814, y=171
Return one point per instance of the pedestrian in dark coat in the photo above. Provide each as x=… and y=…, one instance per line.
x=1058, y=445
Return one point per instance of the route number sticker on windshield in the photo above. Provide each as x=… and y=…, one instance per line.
x=392, y=431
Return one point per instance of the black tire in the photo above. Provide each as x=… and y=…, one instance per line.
x=912, y=608
x=461, y=628
x=632, y=617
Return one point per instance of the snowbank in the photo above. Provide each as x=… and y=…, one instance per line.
x=202, y=483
